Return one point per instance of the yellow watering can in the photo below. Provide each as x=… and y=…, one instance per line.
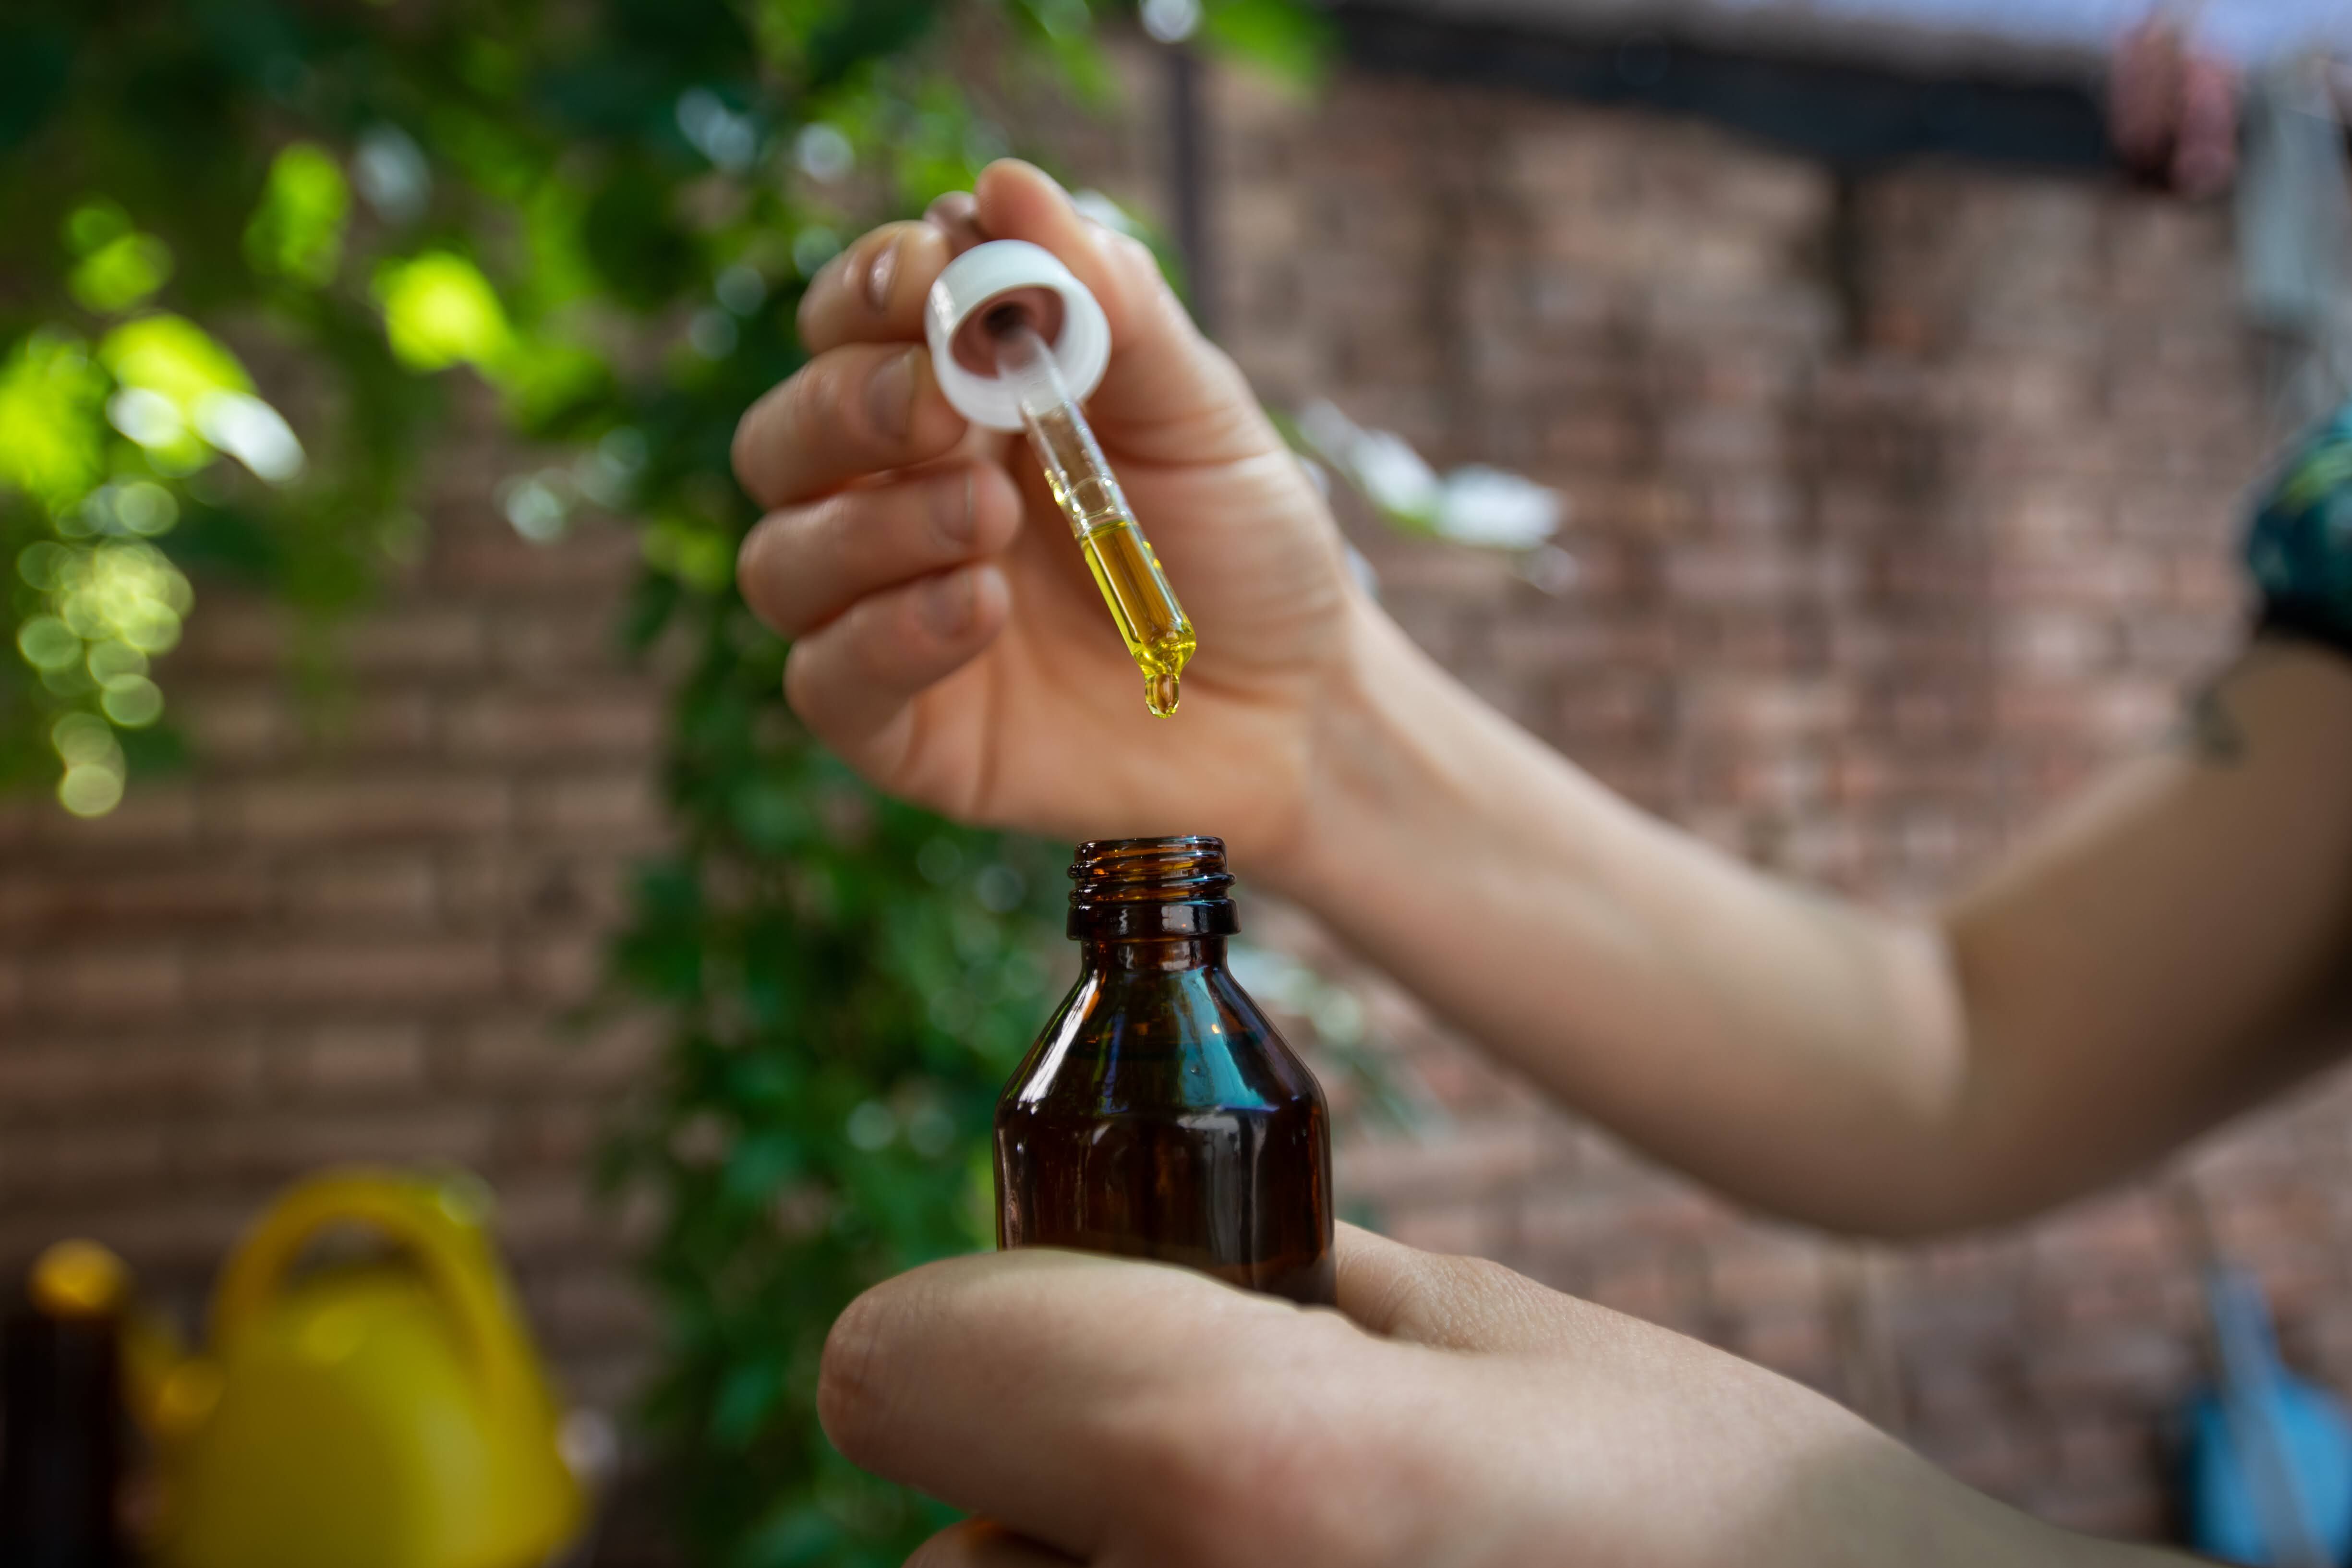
x=387, y=1413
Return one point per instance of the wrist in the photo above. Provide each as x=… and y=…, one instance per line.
x=1361, y=766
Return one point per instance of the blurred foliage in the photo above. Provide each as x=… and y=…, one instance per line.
x=605, y=210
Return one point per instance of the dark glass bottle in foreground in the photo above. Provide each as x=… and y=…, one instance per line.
x=61, y=1455
x=1160, y=1115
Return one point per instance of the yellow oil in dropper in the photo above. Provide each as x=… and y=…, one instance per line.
x=1152, y=624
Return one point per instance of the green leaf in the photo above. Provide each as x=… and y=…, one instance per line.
x=632, y=238
x=760, y=1165
x=439, y=310
x=121, y=273
x=51, y=431
x=745, y=1398
x=297, y=233
x=1282, y=37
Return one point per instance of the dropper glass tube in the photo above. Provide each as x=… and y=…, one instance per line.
x=1152, y=624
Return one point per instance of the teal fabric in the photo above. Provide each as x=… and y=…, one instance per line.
x=2300, y=546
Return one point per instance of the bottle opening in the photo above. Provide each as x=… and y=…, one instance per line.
x=1150, y=888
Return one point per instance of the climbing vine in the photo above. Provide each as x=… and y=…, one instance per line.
x=250, y=245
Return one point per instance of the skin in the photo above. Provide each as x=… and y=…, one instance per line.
x=1129, y=1416
x=2164, y=952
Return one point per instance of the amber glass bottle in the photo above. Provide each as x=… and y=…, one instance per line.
x=62, y=1451
x=1160, y=1115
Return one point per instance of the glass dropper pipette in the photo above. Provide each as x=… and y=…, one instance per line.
x=1152, y=624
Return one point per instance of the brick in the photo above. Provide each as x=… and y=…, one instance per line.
x=548, y=1216
x=563, y=1134
x=155, y=814
x=612, y=1379
x=537, y=888
x=396, y=974
x=235, y=726
x=558, y=725
x=1459, y=1229
x=156, y=1229
x=561, y=646
x=379, y=724
x=235, y=635
x=1472, y=1157
x=618, y=809
x=559, y=971
x=47, y=907
x=358, y=1059
x=419, y=639
x=346, y=810
x=1794, y=1344
x=68, y=1160
x=1752, y=1271
x=378, y=889
x=532, y=1051
x=75, y=1076
x=503, y=563
x=457, y=1135
x=106, y=983
x=1656, y=1288
x=587, y=1307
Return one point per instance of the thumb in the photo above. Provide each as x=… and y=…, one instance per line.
x=1464, y=1303
x=1168, y=394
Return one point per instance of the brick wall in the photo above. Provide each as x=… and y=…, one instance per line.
x=349, y=933
x=1899, y=504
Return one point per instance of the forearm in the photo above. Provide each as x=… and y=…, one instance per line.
x=1804, y=1054
x=2158, y=956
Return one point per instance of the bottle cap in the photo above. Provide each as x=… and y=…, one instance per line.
x=78, y=1279
x=1059, y=306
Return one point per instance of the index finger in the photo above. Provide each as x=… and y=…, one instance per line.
x=854, y=411
x=873, y=291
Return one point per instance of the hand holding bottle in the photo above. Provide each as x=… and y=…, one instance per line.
x=1094, y=1410
x=950, y=643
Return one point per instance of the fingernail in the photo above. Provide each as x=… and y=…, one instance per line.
x=880, y=273
x=890, y=395
x=956, y=215
x=945, y=603
x=952, y=505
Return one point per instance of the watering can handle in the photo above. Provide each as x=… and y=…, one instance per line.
x=448, y=1249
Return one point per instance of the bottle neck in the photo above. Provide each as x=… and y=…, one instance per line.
x=1163, y=955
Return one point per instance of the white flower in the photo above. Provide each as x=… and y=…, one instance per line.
x=1394, y=476
x=1475, y=505
x=1486, y=506
x=252, y=432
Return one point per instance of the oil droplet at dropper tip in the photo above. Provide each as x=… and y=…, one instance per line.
x=1161, y=694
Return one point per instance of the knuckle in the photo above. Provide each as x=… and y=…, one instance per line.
x=996, y=506
x=818, y=422
x=774, y=568
x=807, y=316
x=756, y=572
x=1135, y=256
x=743, y=449
x=851, y=1403
x=804, y=684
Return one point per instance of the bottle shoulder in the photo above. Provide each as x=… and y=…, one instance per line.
x=1140, y=1040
